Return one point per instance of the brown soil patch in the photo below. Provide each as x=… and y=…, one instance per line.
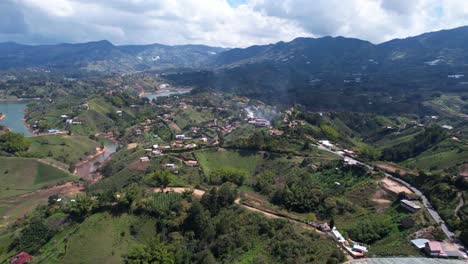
x=381, y=200
x=394, y=168
x=394, y=187
x=138, y=165
x=132, y=145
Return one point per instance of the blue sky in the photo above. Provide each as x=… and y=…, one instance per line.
x=235, y=3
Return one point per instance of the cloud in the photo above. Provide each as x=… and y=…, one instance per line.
x=228, y=23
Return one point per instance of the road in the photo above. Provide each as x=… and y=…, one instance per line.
x=424, y=199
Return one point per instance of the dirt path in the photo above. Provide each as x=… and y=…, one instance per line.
x=460, y=204
x=53, y=165
x=394, y=168
x=174, y=126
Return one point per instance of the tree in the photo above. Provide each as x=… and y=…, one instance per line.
x=33, y=237
x=13, y=142
x=311, y=217
x=155, y=252
x=83, y=206
x=161, y=178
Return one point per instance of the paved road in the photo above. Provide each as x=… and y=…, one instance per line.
x=424, y=199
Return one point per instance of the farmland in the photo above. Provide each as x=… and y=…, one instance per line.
x=239, y=160
x=21, y=178
x=65, y=149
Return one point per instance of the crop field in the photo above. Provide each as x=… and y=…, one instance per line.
x=185, y=117
x=66, y=149
x=20, y=179
x=240, y=160
x=21, y=175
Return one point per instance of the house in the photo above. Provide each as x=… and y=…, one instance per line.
x=434, y=249
x=170, y=166
x=358, y=247
x=192, y=163
x=324, y=227
x=337, y=235
x=326, y=143
x=119, y=112
x=350, y=161
x=21, y=258
x=180, y=137
x=410, y=206
x=144, y=159
x=420, y=243
x=204, y=140
x=447, y=127
x=156, y=153
x=155, y=146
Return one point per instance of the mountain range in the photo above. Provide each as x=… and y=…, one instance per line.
x=328, y=72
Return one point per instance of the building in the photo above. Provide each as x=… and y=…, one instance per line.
x=410, y=206
x=21, y=258
x=434, y=249
x=337, y=235
x=170, y=166
x=192, y=163
x=144, y=159
x=180, y=136
x=420, y=243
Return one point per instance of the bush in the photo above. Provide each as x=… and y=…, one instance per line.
x=227, y=175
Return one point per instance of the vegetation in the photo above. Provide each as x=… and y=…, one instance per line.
x=13, y=143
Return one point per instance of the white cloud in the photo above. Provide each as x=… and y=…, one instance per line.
x=217, y=23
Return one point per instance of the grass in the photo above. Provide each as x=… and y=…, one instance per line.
x=447, y=153
x=185, y=117
x=396, y=244
x=22, y=175
x=66, y=149
x=101, y=238
x=240, y=160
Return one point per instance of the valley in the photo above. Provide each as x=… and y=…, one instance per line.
x=309, y=151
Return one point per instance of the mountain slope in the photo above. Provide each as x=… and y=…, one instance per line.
x=104, y=56
x=342, y=73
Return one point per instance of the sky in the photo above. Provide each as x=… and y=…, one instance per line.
x=225, y=23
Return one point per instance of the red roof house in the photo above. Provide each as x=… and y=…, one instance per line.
x=434, y=249
x=21, y=258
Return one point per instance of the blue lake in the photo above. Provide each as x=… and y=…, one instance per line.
x=14, y=116
x=168, y=93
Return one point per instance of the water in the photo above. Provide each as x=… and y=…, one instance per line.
x=87, y=170
x=167, y=93
x=14, y=111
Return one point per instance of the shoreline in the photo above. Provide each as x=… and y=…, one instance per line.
x=20, y=99
x=161, y=91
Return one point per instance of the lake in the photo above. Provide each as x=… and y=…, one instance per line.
x=165, y=93
x=14, y=111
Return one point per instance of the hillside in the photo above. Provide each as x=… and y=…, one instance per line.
x=103, y=56
x=342, y=73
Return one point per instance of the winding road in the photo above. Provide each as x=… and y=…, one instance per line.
x=424, y=199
